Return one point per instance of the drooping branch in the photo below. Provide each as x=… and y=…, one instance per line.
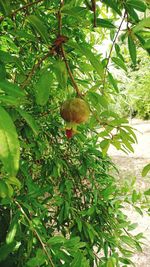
x=62, y=51
x=112, y=46
x=14, y=13
x=36, y=234
x=70, y=73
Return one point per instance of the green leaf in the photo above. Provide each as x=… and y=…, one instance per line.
x=105, y=146
x=77, y=262
x=145, y=170
x=38, y=260
x=11, y=89
x=132, y=226
x=147, y=44
x=2, y=70
x=138, y=210
x=145, y=23
x=79, y=223
x=61, y=73
x=5, y=4
x=113, y=82
x=3, y=189
x=108, y=192
x=11, y=232
x=14, y=181
x=5, y=250
x=30, y=121
x=39, y=27
x=97, y=64
x=42, y=88
x=113, y=5
x=9, y=143
x=77, y=12
x=10, y=100
x=126, y=261
x=134, y=196
x=56, y=240
x=7, y=58
x=119, y=63
x=104, y=23
x=128, y=240
x=111, y=262
x=132, y=49
x=137, y=4
x=132, y=13
x=147, y=192
x=97, y=100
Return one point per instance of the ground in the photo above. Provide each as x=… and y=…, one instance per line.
x=129, y=166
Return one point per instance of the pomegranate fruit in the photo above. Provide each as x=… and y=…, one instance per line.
x=74, y=111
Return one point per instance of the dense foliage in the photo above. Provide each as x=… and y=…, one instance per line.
x=59, y=204
x=134, y=99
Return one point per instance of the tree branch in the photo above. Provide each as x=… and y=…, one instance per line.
x=21, y=8
x=36, y=233
x=111, y=49
x=94, y=11
x=70, y=73
x=62, y=51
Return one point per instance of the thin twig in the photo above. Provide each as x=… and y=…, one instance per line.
x=111, y=49
x=70, y=73
x=94, y=11
x=63, y=51
x=36, y=233
x=34, y=68
x=21, y=8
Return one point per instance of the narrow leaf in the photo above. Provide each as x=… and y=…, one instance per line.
x=56, y=240
x=14, y=181
x=145, y=170
x=61, y=73
x=76, y=12
x=3, y=189
x=11, y=89
x=137, y=4
x=30, y=121
x=11, y=233
x=9, y=144
x=132, y=13
x=113, y=82
x=5, y=4
x=145, y=23
x=97, y=64
x=132, y=49
x=147, y=192
x=113, y=5
x=39, y=27
x=42, y=88
x=5, y=250
x=119, y=63
x=105, y=23
x=104, y=146
x=10, y=100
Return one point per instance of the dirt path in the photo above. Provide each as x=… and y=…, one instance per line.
x=129, y=166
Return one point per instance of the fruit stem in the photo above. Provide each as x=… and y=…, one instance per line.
x=70, y=73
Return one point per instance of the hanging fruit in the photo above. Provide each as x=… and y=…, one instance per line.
x=74, y=111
